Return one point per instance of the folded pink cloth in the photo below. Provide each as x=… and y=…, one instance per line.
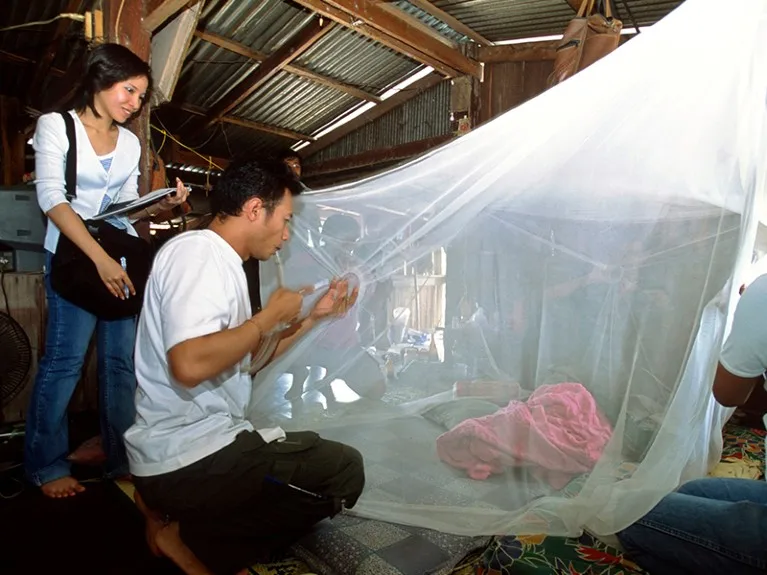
x=559, y=432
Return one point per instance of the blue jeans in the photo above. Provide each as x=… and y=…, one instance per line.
x=713, y=526
x=68, y=335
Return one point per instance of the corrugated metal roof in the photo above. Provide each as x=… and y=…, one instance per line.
x=285, y=101
x=294, y=103
x=263, y=25
x=508, y=19
x=31, y=41
x=430, y=21
x=373, y=67
x=424, y=116
x=209, y=72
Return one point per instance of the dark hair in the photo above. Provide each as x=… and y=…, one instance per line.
x=263, y=179
x=106, y=65
x=341, y=227
x=287, y=154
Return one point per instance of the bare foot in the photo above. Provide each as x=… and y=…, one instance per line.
x=62, y=487
x=154, y=524
x=170, y=544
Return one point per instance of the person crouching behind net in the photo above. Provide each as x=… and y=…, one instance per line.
x=217, y=494
x=339, y=348
x=713, y=525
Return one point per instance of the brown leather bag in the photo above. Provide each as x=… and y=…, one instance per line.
x=588, y=37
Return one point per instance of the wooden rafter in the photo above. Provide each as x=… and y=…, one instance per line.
x=284, y=55
x=526, y=52
x=258, y=126
x=373, y=13
x=243, y=50
x=162, y=14
x=362, y=28
x=451, y=21
x=376, y=112
x=53, y=48
x=373, y=157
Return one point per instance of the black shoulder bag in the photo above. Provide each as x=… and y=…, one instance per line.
x=75, y=277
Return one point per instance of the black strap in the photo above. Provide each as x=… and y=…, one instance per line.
x=70, y=171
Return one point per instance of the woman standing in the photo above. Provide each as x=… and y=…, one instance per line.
x=114, y=87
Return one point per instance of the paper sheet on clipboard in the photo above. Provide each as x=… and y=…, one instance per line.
x=127, y=207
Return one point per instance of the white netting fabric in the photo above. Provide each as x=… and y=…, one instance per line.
x=544, y=299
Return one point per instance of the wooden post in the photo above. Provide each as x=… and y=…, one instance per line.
x=12, y=134
x=122, y=19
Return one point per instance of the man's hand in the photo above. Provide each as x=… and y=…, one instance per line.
x=336, y=302
x=284, y=305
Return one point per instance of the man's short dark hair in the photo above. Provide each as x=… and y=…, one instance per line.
x=265, y=179
x=286, y=155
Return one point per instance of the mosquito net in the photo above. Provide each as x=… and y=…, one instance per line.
x=543, y=300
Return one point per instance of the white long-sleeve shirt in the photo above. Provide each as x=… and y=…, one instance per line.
x=97, y=187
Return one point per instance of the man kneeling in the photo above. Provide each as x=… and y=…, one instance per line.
x=217, y=493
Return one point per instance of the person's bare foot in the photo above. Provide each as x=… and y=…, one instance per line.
x=170, y=544
x=62, y=487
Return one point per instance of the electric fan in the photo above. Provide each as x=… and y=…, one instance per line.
x=15, y=358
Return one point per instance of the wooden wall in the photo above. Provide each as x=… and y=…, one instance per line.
x=509, y=84
x=26, y=298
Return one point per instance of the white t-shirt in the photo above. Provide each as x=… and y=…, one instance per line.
x=197, y=287
x=745, y=351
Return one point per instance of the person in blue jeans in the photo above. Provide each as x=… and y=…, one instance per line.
x=112, y=90
x=715, y=525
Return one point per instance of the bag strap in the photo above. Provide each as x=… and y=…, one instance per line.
x=70, y=171
x=587, y=7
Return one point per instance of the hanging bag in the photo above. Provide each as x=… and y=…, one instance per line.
x=589, y=36
x=75, y=277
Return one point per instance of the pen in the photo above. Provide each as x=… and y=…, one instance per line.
x=124, y=264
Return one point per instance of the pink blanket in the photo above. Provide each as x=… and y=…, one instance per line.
x=559, y=432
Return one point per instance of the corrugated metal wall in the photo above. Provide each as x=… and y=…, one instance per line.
x=425, y=116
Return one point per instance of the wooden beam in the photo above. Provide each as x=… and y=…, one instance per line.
x=12, y=138
x=122, y=19
x=415, y=22
x=373, y=157
x=345, y=19
x=373, y=13
x=285, y=54
x=49, y=53
x=162, y=14
x=173, y=153
x=527, y=52
x=243, y=50
x=376, y=112
x=16, y=59
x=169, y=48
x=451, y=21
x=277, y=131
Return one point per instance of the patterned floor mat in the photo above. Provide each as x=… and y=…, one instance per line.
x=542, y=555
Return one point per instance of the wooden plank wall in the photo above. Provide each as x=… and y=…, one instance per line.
x=26, y=298
x=509, y=84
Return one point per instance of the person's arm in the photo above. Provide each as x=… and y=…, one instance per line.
x=163, y=205
x=732, y=390
x=337, y=302
x=744, y=355
x=200, y=341
x=202, y=358
x=51, y=147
